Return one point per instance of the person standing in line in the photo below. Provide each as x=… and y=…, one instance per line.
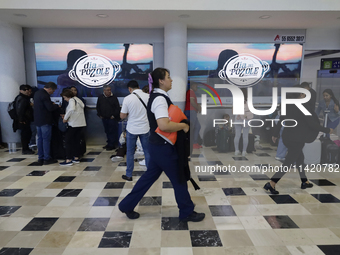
x=25, y=117
x=134, y=107
x=108, y=110
x=43, y=108
x=163, y=155
x=311, y=103
x=192, y=108
x=75, y=118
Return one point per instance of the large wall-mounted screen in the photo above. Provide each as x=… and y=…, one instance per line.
x=84, y=65
x=206, y=60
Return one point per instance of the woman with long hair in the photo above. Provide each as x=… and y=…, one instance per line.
x=163, y=155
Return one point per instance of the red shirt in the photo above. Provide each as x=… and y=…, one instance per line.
x=188, y=106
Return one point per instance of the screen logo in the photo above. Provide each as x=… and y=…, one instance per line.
x=94, y=70
x=244, y=70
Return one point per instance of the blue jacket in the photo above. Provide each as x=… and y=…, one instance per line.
x=332, y=115
x=43, y=108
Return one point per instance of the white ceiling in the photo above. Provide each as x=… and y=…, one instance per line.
x=158, y=18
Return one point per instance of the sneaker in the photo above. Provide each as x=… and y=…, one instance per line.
x=127, y=178
x=244, y=153
x=132, y=215
x=142, y=163
x=40, y=162
x=237, y=153
x=75, y=161
x=305, y=185
x=196, y=146
x=269, y=187
x=66, y=163
x=280, y=159
x=50, y=161
x=109, y=148
x=28, y=152
x=116, y=158
x=32, y=145
x=194, y=217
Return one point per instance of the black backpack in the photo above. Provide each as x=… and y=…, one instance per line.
x=12, y=110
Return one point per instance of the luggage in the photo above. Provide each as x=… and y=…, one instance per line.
x=251, y=143
x=223, y=140
x=312, y=152
x=209, y=138
x=329, y=150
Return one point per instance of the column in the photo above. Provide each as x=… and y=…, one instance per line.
x=12, y=75
x=175, y=59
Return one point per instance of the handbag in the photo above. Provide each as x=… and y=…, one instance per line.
x=61, y=125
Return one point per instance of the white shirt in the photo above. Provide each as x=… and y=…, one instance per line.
x=159, y=105
x=75, y=113
x=137, y=119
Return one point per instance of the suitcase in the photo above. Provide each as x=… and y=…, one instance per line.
x=312, y=152
x=329, y=150
x=209, y=138
x=251, y=143
x=223, y=140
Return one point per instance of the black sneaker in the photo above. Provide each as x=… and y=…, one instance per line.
x=194, y=217
x=40, y=162
x=50, y=161
x=269, y=187
x=28, y=152
x=132, y=215
x=109, y=148
x=305, y=185
x=127, y=178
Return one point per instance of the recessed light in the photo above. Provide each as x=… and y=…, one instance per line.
x=102, y=15
x=265, y=17
x=20, y=15
x=184, y=16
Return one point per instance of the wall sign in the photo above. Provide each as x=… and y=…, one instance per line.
x=289, y=38
x=94, y=70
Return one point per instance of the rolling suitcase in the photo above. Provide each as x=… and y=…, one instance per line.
x=223, y=140
x=329, y=150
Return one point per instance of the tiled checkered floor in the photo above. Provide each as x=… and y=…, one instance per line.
x=73, y=210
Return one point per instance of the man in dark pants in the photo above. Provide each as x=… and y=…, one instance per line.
x=108, y=110
x=25, y=116
x=43, y=108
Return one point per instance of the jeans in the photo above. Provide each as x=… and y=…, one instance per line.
x=34, y=134
x=111, y=130
x=238, y=131
x=130, y=147
x=281, y=148
x=44, y=142
x=195, y=125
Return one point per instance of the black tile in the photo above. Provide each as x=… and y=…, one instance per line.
x=280, y=221
x=204, y=178
x=16, y=160
x=148, y=201
x=86, y=159
x=9, y=192
x=94, y=224
x=330, y=249
x=262, y=154
x=266, y=149
x=205, y=238
x=197, y=156
x=283, y=199
x=138, y=173
x=259, y=177
x=173, y=223
x=37, y=173
x=122, y=164
x=92, y=168
x=117, y=239
x=36, y=163
x=40, y=224
x=3, y=167
x=167, y=185
x=8, y=210
x=64, y=179
x=114, y=185
x=214, y=163
x=106, y=201
x=222, y=210
x=233, y=192
x=326, y=198
x=69, y=193
x=240, y=158
x=322, y=182
x=15, y=251
x=94, y=153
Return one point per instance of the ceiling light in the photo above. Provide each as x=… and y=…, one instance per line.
x=20, y=15
x=184, y=16
x=102, y=15
x=265, y=17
